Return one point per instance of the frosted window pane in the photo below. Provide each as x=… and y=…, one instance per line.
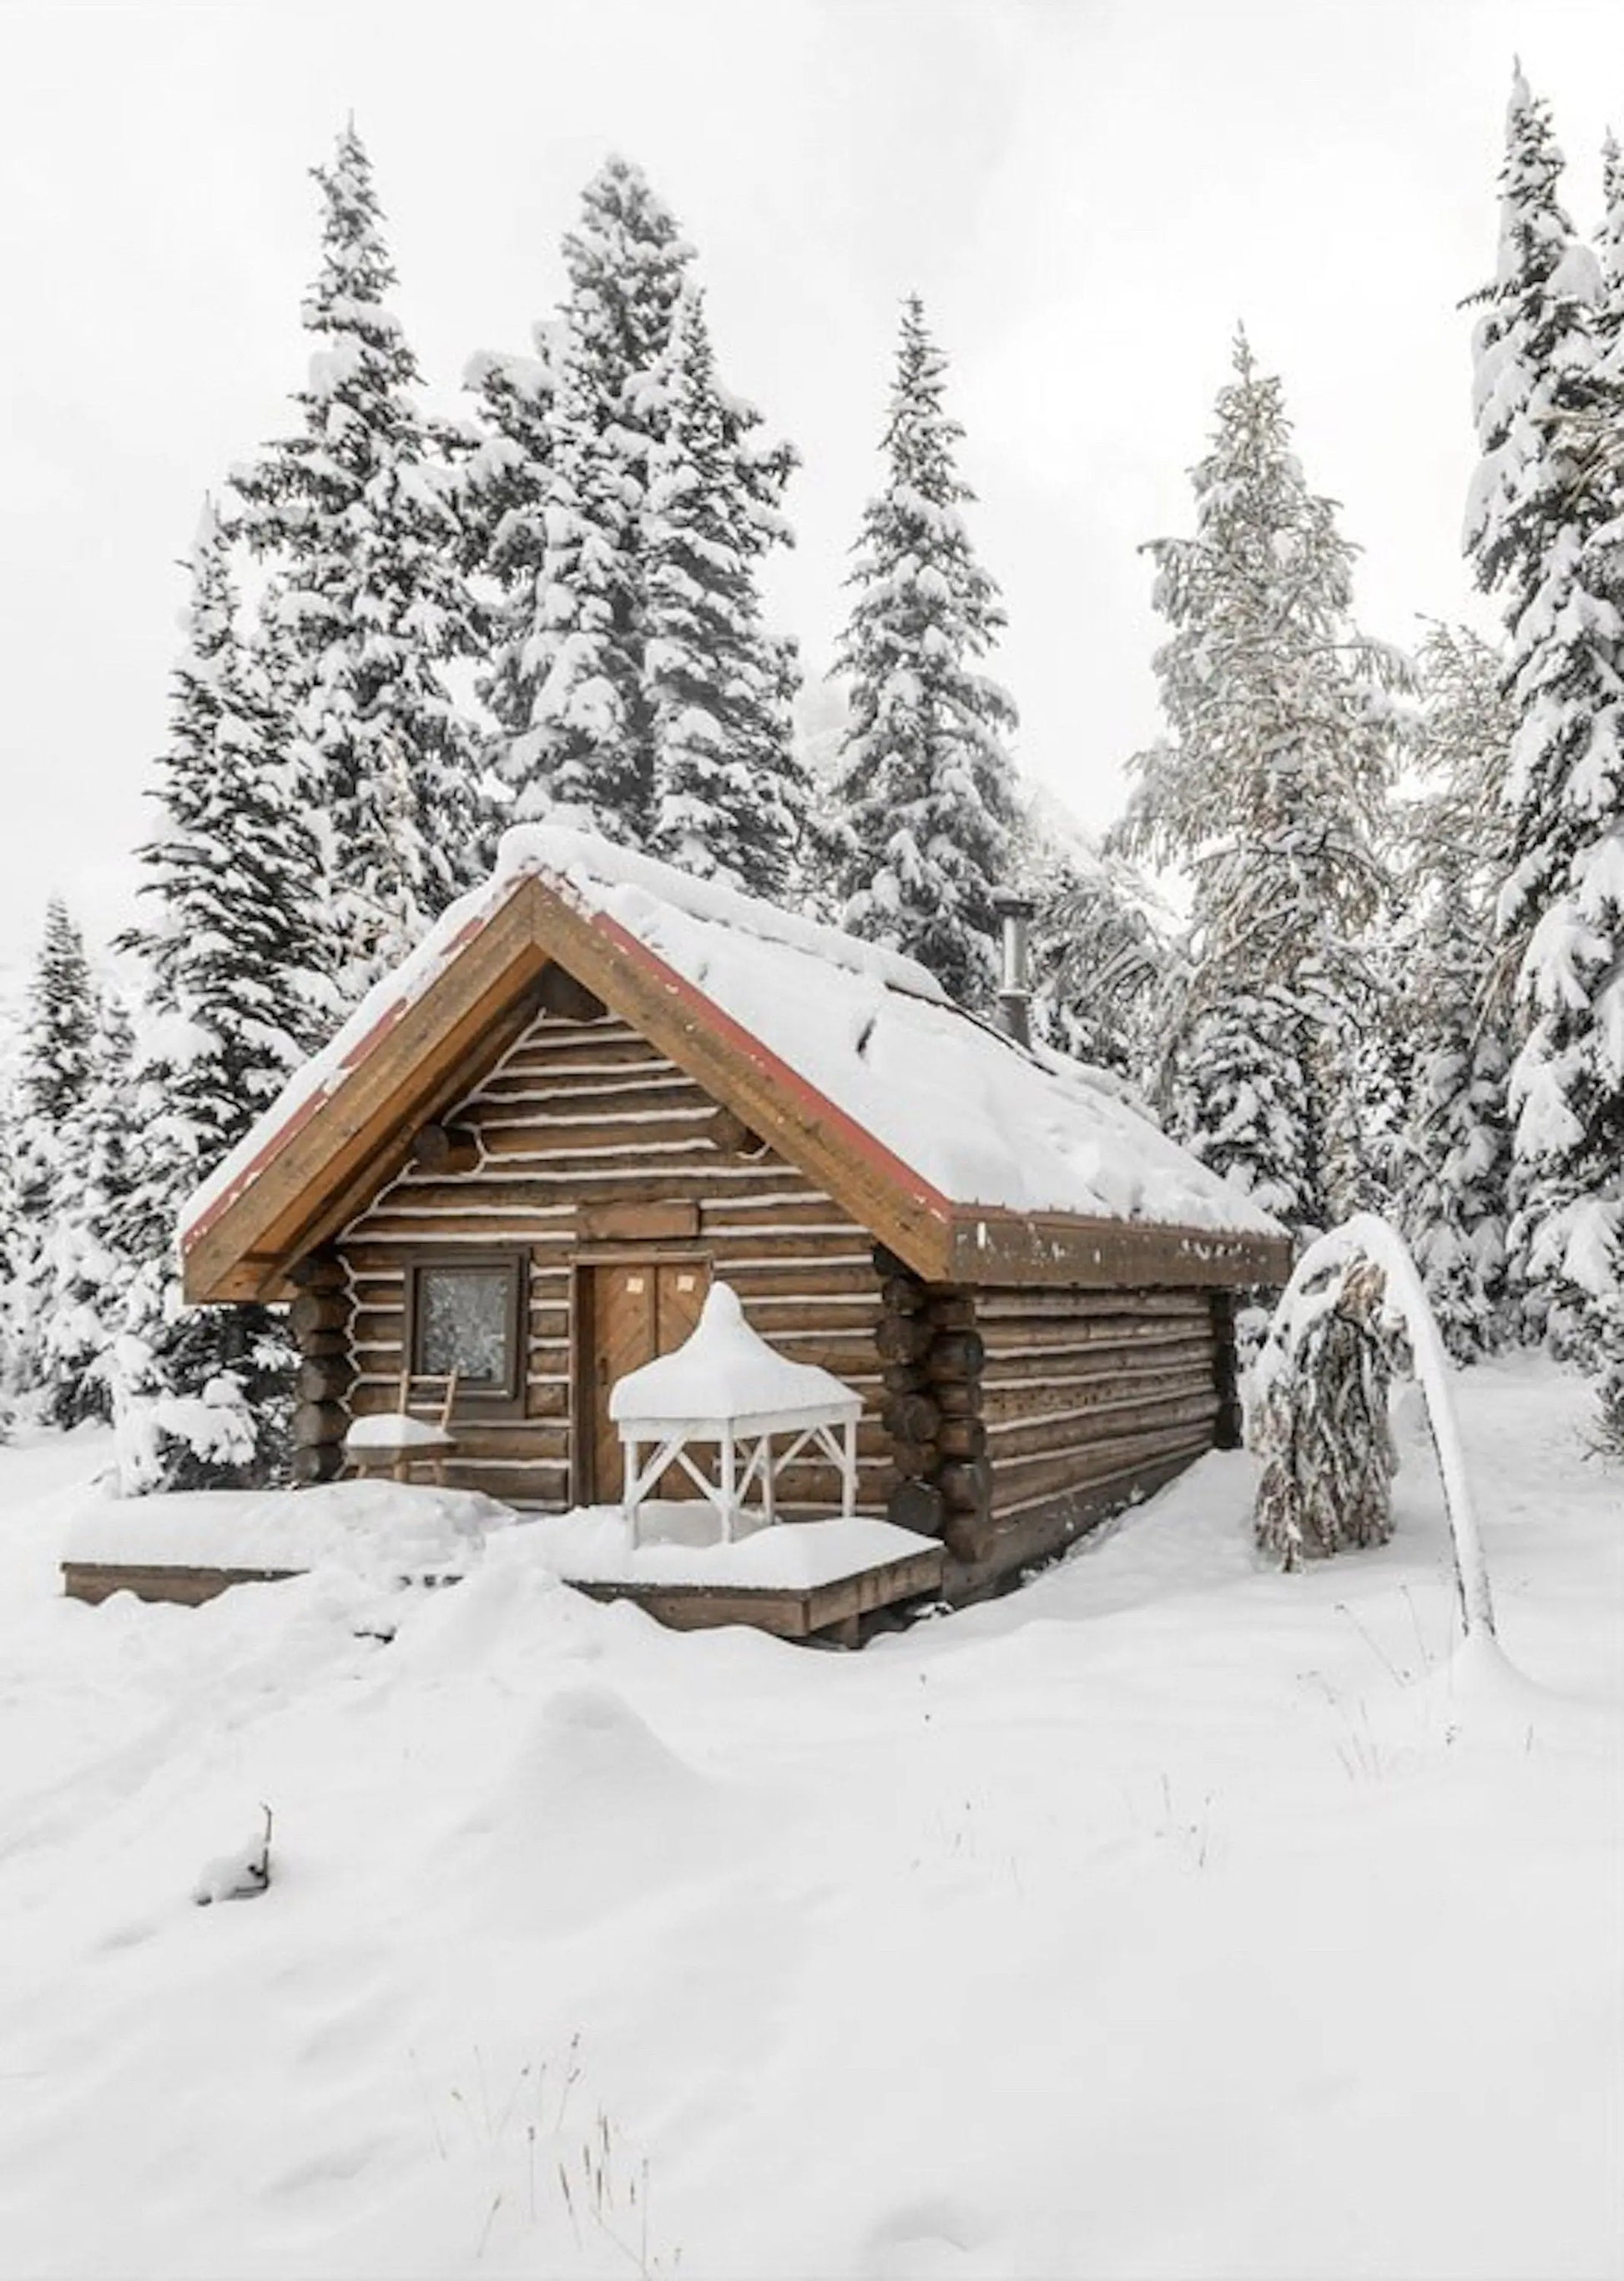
x=464, y=1324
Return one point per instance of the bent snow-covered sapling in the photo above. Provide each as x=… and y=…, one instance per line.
x=240, y=1876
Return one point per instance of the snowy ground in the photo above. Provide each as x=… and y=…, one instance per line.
x=1168, y=1918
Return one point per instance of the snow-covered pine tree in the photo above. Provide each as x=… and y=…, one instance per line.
x=56, y=1069
x=1452, y=1203
x=88, y=1277
x=355, y=518
x=1100, y=951
x=235, y=1003
x=1266, y=790
x=730, y=791
x=925, y=794
x=567, y=684
x=1545, y=529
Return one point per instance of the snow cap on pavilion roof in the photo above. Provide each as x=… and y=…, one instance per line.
x=724, y=1371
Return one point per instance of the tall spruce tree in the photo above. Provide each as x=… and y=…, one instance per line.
x=730, y=791
x=1545, y=529
x=1266, y=791
x=925, y=794
x=567, y=684
x=355, y=517
x=55, y=1070
x=82, y=1316
x=231, y=950
x=1453, y=1200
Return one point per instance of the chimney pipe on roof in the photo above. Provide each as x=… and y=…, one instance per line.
x=1015, y=990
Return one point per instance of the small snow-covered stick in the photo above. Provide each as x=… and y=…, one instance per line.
x=1367, y=1237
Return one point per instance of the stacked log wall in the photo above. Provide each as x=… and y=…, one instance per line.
x=579, y=1117
x=1089, y=1399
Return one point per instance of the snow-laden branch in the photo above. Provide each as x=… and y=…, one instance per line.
x=1366, y=1242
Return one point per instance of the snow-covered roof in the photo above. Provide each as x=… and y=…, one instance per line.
x=725, y=1371
x=948, y=1107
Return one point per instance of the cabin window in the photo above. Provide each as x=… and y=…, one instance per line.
x=466, y=1317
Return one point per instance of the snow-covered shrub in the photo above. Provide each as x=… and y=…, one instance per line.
x=1319, y=1422
x=1355, y=1311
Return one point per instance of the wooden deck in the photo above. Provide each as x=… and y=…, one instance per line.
x=832, y=1612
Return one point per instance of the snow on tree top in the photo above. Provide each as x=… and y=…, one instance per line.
x=972, y=1116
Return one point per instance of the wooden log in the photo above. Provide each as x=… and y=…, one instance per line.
x=324, y=1378
x=731, y=1134
x=961, y=1398
x=966, y=1484
x=315, y=1423
x=559, y=995
x=912, y=1417
x=317, y=1461
x=890, y=1263
x=317, y=1271
x=902, y=1338
x=970, y=1535
x=918, y=1506
x=323, y=1344
x=952, y=1311
x=913, y=1460
x=955, y=1355
x=445, y=1148
x=902, y=1294
x=902, y=1378
x=962, y=1437
x=652, y=1222
x=317, y=1310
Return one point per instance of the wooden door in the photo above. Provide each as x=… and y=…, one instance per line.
x=629, y=1312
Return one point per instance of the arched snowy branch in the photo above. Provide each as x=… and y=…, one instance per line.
x=1343, y=1261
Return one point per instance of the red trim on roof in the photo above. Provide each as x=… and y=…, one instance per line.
x=300, y=1115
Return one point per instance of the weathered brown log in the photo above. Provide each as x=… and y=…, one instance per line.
x=962, y=1437
x=912, y=1417
x=918, y=1506
x=902, y=1294
x=887, y=1262
x=317, y=1271
x=966, y=1485
x=902, y=1378
x=317, y=1461
x=952, y=1311
x=955, y=1355
x=445, y=1148
x=320, y=1345
x=323, y=1378
x=913, y=1459
x=315, y=1423
x=731, y=1134
x=958, y=1398
x=902, y=1338
x=317, y=1310
x=970, y=1536
x=559, y=995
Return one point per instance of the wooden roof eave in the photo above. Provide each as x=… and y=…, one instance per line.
x=343, y=1146
x=996, y=1246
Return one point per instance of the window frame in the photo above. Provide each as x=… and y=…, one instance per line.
x=508, y=1399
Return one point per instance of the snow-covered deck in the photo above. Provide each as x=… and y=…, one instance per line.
x=795, y=1579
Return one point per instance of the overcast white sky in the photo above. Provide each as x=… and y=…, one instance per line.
x=1088, y=196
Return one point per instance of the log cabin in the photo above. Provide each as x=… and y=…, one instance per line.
x=599, y=1083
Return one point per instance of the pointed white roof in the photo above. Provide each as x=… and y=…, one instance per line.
x=726, y=1374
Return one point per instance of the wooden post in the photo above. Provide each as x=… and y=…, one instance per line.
x=1228, y=1428
x=934, y=1357
x=319, y=1319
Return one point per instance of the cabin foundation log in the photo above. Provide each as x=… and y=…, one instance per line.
x=320, y=1320
x=1228, y=1430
